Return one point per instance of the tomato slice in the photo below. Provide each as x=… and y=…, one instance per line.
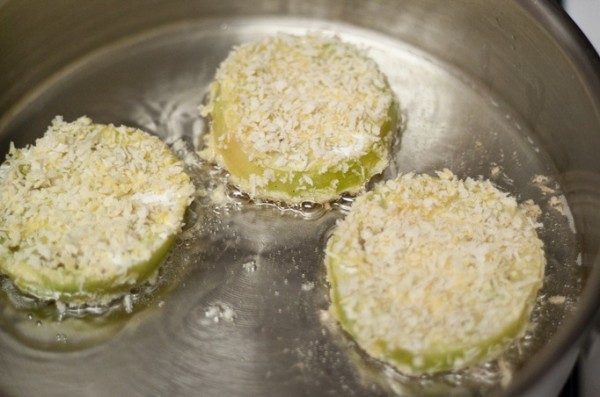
x=300, y=118
x=433, y=274
x=89, y=211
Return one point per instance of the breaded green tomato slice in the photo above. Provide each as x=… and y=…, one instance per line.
x=434, y=273
x=89, y=211
x=300, y=118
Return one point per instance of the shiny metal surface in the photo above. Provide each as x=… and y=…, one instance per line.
x=502, y=90
x=589, y=362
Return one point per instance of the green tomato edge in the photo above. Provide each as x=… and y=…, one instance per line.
x=69, y=287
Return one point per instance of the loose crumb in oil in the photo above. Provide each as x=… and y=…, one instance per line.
x=557, y=299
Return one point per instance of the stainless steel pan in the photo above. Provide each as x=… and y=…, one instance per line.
x=503, y=90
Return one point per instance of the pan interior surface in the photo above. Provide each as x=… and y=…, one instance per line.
x=243, y=307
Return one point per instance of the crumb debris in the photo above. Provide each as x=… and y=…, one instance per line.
x=558, y=203
x=218, y=312
x=495, y=171
x=542, y=182
x=557, y=299
x=531, y=209
x=128, y=303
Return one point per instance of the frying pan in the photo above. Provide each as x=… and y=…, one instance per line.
x=503, y=90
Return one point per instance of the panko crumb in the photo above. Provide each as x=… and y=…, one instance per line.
x=541, y=182
x=531, y=209
x=540, y=179
x=557, y=299
x=495, y=171
x=219, y=196
x=557, y=203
